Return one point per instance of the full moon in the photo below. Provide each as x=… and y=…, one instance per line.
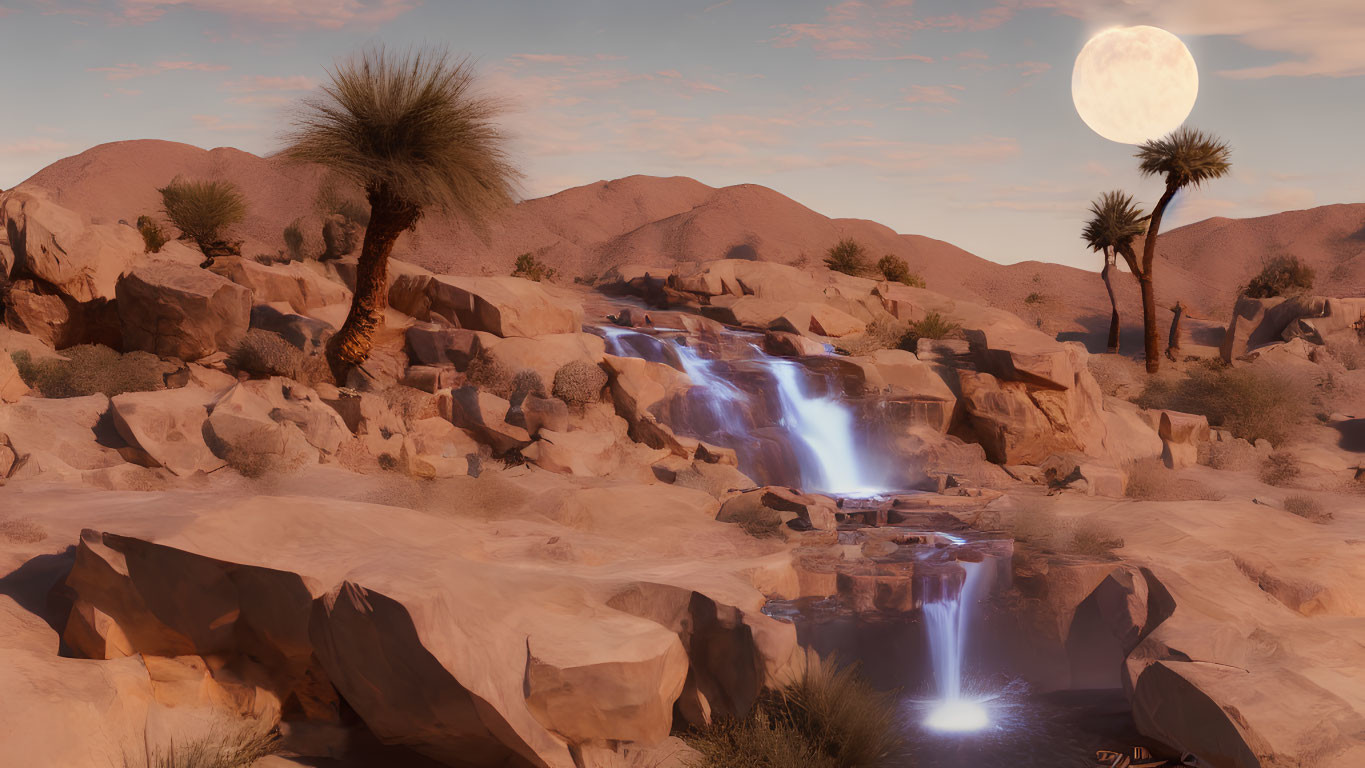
x=1132, y=84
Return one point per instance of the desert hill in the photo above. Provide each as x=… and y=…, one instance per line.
x=585, y=231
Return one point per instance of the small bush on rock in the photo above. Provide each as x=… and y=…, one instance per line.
x=526, y=382
x=1307, y=507
x=579, y=383
x=225, y=747
x=490, y=376
x=847, y=256
x=93, y=369
x=1280, y=469
x=203, y=211
x=531, y=268
x=933, y=326
x=830, y=717
x=1281, y=276
x=895, y=269
x=153, y=234
x=1250, y=401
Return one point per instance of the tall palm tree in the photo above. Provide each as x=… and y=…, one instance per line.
x=1114, y=223
x=1186, y=158
x=410, y=131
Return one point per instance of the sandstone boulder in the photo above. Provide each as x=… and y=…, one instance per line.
x=174, y=310
x=242, y=432
x=436, y=448
x=296, y=284
x=544, y=354
x=436, y=344
x=167, y=428
x=484, y=415
x=503, y=306
x=64, y=249
x=12, y=386
x=579, y=453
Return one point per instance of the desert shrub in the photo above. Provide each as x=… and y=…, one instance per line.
x=1351, y=356
x=1150, y=480
x=153, y=234
x=895, y=269
x=1280, y=468
x=490, y=375
x=1234, y=455
x=293, y=239
x=203, y=210
x=933, y=326
x=829, y=717
x=1251, y=402
x=266, y=353
x=1307, y=507
x=336, y=199
x=882, y=333
x=847, y=256
x=526, y=382
x=531, y=268
x=1037, y=525
x=21, y=530
x=1094, y=539
x=1280, y=276
x=1034, y=298
x=91, y=369
x=232, y=747
x=579, y=383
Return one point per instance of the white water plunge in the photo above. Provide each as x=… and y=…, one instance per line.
x=825, y=425
x=947, y=616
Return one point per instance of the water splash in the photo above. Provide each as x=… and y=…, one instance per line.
x=831, y=461
x=948, y=602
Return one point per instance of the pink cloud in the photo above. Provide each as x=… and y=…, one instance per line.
x=216, y=123
x=862, y=30
x=1030, y=68
x=38, y=146
x=327, y=14
x=131, y=71
x=257, y=83
x=931, y=94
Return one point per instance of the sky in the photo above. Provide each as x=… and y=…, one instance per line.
x=951, y=119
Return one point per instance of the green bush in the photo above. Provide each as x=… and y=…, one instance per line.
x=895, y=269
x=1251, y=402
x=828, y=718
x=847, y=256
x=293, y=239
x=933, y=326
x=92, y=369
x=203, y=210
x=579, y=383
x=531, y=268
x=153, y=234
x=1280, y=276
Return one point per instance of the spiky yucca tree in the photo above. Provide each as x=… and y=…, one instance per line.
x=1114, y=223
x=411, y=131
x=1186, y=158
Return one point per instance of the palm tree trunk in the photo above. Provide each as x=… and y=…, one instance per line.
x=389, y=218
x=1173, y=341
x=1151, y=346
x=1113, y=345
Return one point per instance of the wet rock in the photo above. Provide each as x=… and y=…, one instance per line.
x=785, y=344
x=174, y=310
x=631, y=317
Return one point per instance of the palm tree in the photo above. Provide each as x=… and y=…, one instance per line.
x=1114, y=223
x=1186, y=158
x=410, y=131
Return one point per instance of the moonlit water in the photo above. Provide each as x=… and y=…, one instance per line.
x=825, y=426
x=821, y=430
x=947, y=610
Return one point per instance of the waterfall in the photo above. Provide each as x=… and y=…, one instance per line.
x=820, y=431
x=831, y=462
x=947, y=606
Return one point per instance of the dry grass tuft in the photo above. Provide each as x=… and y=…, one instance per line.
x=1249, y=401
x=235, y=747
x=1094, y=539
x=1118, y=376
x=90, y=369
x=579, y=383
x=266, y=353
x=203, y=210
x=21, y=530
x=1307, y=507
x=830, y=717
x=1150, y=480
x=1280, y=469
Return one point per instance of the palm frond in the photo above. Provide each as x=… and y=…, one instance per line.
x=1186, y=157
x=412, y=124
x=1114, y=221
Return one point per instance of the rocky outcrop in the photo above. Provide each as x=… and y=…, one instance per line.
x=166, y=428
x=1316, y=319
x=62, y=248
x=502, y=306
x=12, y=386
x=174, y=310
x=295, y=284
